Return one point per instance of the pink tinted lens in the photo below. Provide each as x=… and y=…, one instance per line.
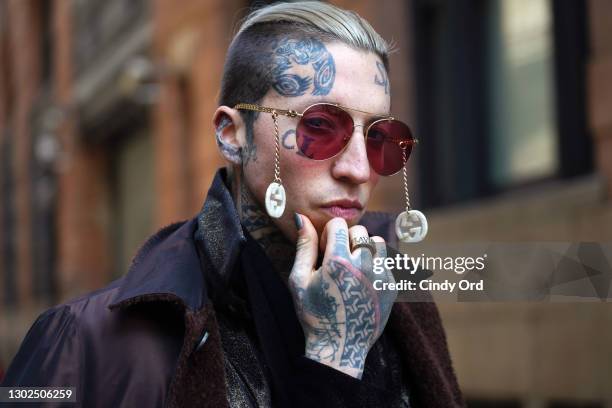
x=383, y=146
x=323, y=131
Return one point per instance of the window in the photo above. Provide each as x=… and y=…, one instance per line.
x=500, y=95
x=46, y=39
x=43, y=205
x=522, y=124
x=133, y=195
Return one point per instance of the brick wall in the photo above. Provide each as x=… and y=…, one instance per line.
x=21, y=71
x=24, y=29
x=84, y=254
x=190, y=42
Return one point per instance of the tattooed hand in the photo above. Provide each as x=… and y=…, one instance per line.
x=340, y=311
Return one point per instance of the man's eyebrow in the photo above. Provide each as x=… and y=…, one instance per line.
x=309, y=102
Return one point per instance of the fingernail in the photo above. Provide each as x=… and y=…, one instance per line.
x=298, y=221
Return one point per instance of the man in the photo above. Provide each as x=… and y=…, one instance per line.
x=237, y=308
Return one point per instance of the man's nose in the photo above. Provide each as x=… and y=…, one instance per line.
x=352, y=164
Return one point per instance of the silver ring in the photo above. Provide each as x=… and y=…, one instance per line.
x=363, y=242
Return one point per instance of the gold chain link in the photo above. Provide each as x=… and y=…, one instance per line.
x=257, y=108
x=406, y=181
x=277, y=178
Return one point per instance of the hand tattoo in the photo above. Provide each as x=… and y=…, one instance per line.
x=341, y=313
x=362, y=314
x=325, y=343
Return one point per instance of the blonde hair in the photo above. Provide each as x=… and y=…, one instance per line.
x=342, y=25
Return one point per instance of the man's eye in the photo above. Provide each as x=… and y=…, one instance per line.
x=376, y=135
x=319, y=123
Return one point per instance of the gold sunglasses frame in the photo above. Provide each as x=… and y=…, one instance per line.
x=293, y=114
x=403, y=144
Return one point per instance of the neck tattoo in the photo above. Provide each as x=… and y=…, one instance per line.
x=279, y=250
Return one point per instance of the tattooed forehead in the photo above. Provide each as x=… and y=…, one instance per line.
x=317, y=69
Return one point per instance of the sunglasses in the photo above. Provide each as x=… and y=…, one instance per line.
x=325, y=129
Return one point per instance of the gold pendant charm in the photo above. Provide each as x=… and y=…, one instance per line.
x=411, y=226
x=275, y=200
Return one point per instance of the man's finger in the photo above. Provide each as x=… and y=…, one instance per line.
x=335, y=238
x=381, y=246
x=306, y=251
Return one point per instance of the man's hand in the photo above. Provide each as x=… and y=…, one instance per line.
x=341, y=313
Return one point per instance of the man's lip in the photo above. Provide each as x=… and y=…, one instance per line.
x=348, y=213
x=345, y=203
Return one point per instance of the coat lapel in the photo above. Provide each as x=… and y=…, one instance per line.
x=199, y=380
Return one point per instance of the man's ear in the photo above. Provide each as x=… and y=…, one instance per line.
x=230, y=133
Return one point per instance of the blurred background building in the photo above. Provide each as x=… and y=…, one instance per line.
x=106, y=135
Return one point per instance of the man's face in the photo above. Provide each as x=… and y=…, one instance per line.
x=337, y=187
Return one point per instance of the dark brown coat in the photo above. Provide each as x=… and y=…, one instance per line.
x=135, y=342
